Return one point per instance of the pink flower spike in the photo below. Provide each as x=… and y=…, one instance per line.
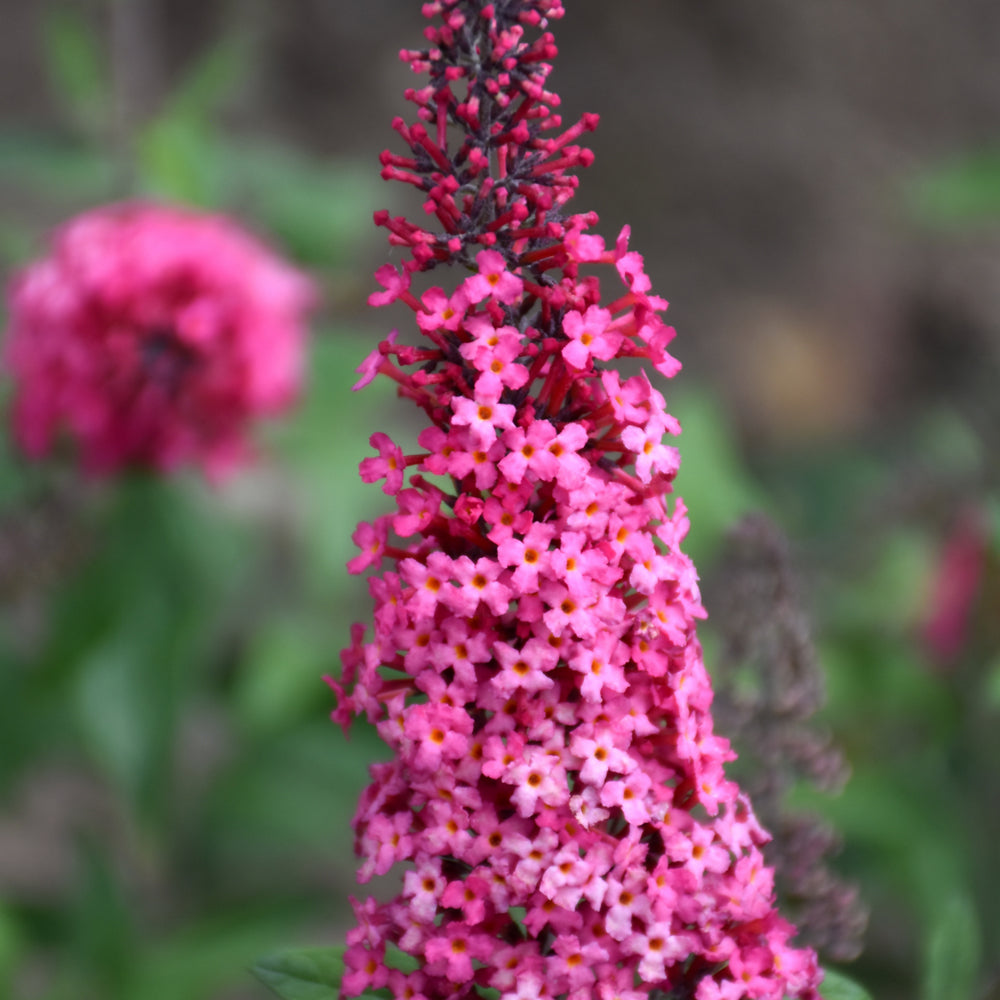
x=556, y=796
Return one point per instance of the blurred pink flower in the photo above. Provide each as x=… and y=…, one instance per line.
x=152, y=336
x=956, y=588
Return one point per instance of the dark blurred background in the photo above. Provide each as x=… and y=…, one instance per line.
x=815, y=187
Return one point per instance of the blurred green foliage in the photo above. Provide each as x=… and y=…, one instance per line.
x=167, y=669
x=961, y=193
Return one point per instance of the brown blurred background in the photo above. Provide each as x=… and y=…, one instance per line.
x=760, y=150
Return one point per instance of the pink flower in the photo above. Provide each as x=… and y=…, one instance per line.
x=422, y=890
x=651, y=454
x=386, y=841
x=440, y=311
x=370, y=538
x=658, y=946
x=494, y=355
x=438, y=732
x=556, y=789
x=394, y=282
x=493, y=280
x=451, y=954
x=484, y=416
x=371, y=366
x=956, y=588
x=573, y=962
x=388, y=466
x=479, y=581
x=469, y=896
x=599, y=756
x=537, y=777
x=589, y=337
x=528, y=556
x=152, y=337
x=526, y=668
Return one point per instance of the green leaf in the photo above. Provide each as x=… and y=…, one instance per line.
x=959, y=193
x=209, y=957
x=279, y=679
x=398, y=959
x=116, y=714
x=61, y=169
x=894, y=590
x=213, y=78
x=103, y=926
x=177, y=160
x=12, y=946
x=952, y=965
x=991, y=684
x=838, y=987
x=324, y=462
x=713, y=479
x=77, y=67
x=292, y=791
x=178, y=152
x=303, y=973
x=317, y=210
x=133, y=630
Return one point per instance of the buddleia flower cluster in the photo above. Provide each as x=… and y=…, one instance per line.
x=151, y=337
x=556, y=803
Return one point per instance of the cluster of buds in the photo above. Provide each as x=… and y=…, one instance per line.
x=152, y=337
x=556, y=797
